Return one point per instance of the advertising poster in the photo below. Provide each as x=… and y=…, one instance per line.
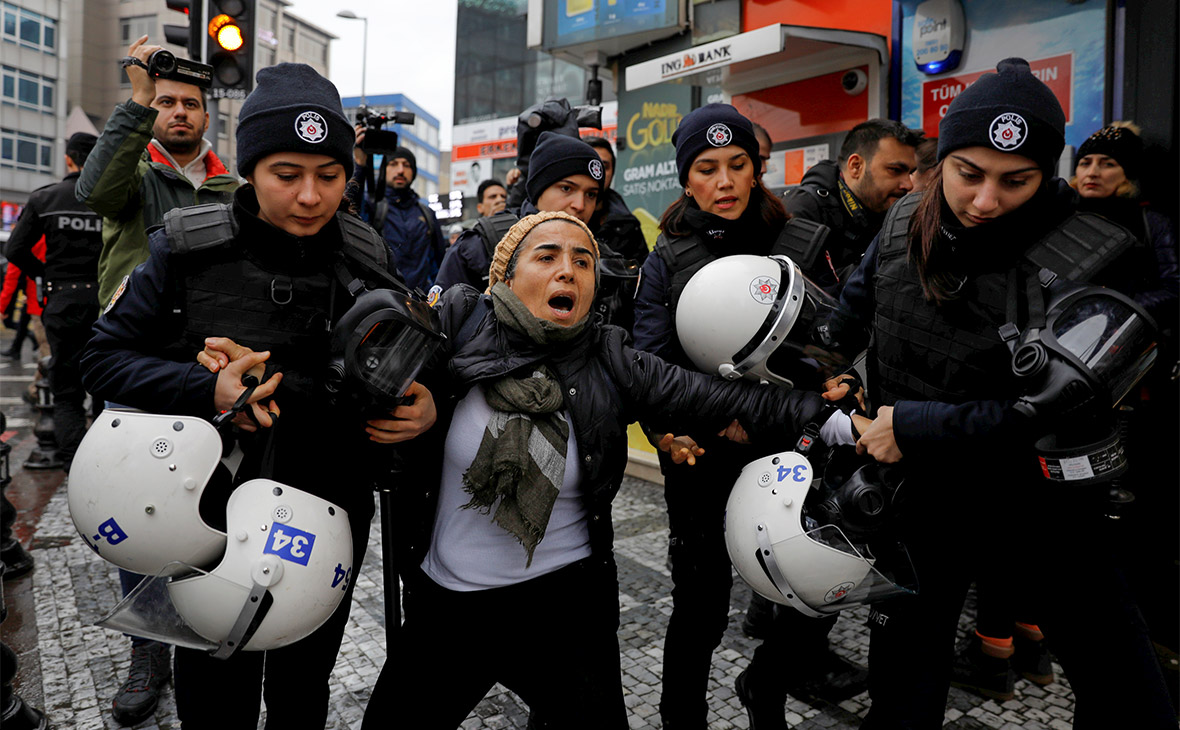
x=1065, y=44
x=646, y=168
x=583, y=21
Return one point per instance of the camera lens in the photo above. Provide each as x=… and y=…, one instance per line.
x=161, y=63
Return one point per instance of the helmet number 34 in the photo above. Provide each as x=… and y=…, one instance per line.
x=289, y=543
x=797, y=472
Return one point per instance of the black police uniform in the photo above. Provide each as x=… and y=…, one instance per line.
x=73, y=241
x=696, y=495
x=823, y=197
x=976, y=498
x=272, y=291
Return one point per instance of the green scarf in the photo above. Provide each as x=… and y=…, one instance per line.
x=521, y=459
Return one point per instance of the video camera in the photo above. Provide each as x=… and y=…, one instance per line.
x=377, y=140
x=551, y=115
x=165, y=65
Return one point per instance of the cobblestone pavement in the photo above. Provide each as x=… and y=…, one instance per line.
x=81, y=665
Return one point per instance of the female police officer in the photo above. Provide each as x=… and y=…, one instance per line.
x=725, y=210
x=517, y=581
x=933, y=289
x=262, y=272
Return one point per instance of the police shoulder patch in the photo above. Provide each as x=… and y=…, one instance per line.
x=118, y=293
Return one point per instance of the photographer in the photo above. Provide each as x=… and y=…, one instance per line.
x=151, y=157
x=407, y=224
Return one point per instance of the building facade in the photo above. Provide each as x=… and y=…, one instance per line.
x=420, y=138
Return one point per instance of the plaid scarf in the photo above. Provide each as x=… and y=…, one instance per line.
x=521, y=459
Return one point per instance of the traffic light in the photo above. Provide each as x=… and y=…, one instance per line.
x=231, y=47
x=188, y=36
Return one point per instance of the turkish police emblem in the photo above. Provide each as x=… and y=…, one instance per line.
x=596, y=169
x=1008, y=131
x=837, y=592
x=311, y=127
x=719, y=135
x=763, y=289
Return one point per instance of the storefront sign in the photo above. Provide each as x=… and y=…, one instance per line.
x=741, y=47
x=1056, y=72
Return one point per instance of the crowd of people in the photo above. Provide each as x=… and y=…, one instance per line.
x=205, y=296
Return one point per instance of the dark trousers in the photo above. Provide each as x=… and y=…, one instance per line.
x=552, y=640
x=226, y=693
x=1084, y=609
x=67, y=318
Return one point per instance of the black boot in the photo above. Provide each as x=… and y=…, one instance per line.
x=1032, y=660
x=766, y=709
x=151, y=668
x=985, y=669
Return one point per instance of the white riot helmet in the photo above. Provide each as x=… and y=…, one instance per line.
x=287, y=565
x=136, y=487
x=787, y=555
x=752, y=316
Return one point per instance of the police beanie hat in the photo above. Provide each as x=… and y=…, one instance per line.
x=293, y=109
x=713, y=125
x=557, y=157
x=1011, y=111
x=1119, y=142
x=516, y=235
x=79, y=145
x=408, y=156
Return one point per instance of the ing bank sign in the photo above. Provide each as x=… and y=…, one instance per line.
x=695, y=60
x=741, y=47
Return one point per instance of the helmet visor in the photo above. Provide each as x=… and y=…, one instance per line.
x=1110, y=337
x=798, y=359
x=148, y=611
x=820, y=572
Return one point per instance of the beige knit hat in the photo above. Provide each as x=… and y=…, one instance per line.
x=516, y=234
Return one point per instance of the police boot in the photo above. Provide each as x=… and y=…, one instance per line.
x=766, y=707
x=1031, y=660
x=984, y=668
x=151, y=668
x=759, y=617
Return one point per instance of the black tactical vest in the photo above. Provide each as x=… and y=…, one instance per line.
x=226, y=292
x=684, y=256
x=953, y=352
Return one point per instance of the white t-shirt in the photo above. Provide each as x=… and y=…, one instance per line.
x=470, y=552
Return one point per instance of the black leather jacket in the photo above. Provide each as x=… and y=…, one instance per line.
x=607, y=385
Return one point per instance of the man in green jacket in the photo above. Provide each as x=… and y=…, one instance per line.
x=152, y=157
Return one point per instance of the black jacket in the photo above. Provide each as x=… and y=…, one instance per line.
x=817, y=198
x=607, y=384
x=73, y=236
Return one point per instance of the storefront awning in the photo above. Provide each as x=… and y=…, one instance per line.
x=770, y=45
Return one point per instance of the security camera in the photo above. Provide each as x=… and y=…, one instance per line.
x=854, y=81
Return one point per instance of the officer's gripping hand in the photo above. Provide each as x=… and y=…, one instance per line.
x=143, y=86
x=406, y=422
x=358, y=152
x=232, y=362
x=735, y=433
x=877, y=439
x=836, y=389
x=680, y=448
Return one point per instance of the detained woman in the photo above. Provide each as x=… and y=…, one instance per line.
x=507, y=553
x=932, y=292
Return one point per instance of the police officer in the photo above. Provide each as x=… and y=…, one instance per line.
x=940, y=286
x=725, y=210
x=565, y=174
x=68, y=280
x=261, y=281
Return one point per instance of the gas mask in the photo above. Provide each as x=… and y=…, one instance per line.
x=377, y=348
x=1095, y=345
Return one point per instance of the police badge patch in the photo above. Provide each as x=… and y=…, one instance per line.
x=719, y=135
x=1008, y=131
x=596, y=169
x=311, y=127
